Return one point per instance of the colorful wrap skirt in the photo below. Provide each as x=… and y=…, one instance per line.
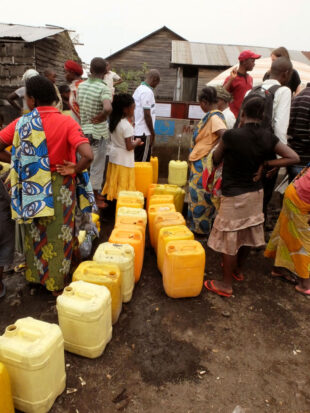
x=289, y=244
x=201, y=210
x=50, y=241
x=119, y=178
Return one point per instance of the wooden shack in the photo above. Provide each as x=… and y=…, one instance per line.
x=154, y=50
x=24, y=47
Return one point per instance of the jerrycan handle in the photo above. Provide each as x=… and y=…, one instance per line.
x=30, y=335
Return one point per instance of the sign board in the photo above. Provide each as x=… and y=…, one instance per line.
x=163, y=110
x=164, y=127
x=195, y=112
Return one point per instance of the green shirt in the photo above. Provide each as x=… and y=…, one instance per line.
x=90, y=97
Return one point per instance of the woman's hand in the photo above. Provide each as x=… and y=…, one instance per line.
x=258, y=174
x=68, y=168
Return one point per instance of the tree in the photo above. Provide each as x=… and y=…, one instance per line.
x=131, y=79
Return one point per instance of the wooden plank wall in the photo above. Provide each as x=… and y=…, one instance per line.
x=16, y=57
x=53, y=52
x=155, y=51
x=205, y=75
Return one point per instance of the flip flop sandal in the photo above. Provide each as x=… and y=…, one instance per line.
x=287, y=278
x=237, y=276
x=303, y=292
x=209, y=284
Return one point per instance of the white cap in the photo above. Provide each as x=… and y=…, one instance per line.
x=29, y=73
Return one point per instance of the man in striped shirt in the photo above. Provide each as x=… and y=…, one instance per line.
x=94, y=98
x=299, y=130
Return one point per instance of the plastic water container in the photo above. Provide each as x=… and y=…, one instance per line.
x=132, y=227
x=85, y=318
x=102, y=274
x=6, y=400
x=167, y=234
x=143, y=176
x=166, y=220
x=152, y=212
x=137, y=213
x=134, y=238
x=183, y=268
x=154, y=163
x=132, y=194
x=132, y=201
x=178, y=173
x=123, y=256
x=130, y=220
x=176, y=191
x=96, y=220
x=161, y=199
x=33, y=353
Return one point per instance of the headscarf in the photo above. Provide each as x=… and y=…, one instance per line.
x=29, y=73
x=73, y=66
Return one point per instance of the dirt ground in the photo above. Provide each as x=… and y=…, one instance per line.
x=206, y=354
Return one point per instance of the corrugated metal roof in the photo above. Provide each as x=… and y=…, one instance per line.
x=27, y=33
x=211, y=54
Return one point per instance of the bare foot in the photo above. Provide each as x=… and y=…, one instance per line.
x=221, y=286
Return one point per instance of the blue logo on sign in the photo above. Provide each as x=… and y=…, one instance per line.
x=164, y=127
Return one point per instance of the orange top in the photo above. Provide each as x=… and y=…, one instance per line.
x=207, y=138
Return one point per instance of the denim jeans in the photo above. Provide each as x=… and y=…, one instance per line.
x=97, y=167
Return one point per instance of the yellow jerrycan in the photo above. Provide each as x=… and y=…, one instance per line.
x=183, y=269
x=167, y=234
x=137, y=213
x=161, y=199
x=166, y=220
x=102, y=274
x=177, y=173
x=33, y=353
x=154, y=163
x=132, y=199
x=152, y=212
x=6, y=400
x=123, y=256
x=177, y=192
x=85, y=318
x=143, y=176
x=135, y=238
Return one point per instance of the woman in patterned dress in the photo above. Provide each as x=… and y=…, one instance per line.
x=205, y=138
x=46, y=183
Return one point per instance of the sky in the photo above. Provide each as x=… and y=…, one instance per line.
x=105, y=27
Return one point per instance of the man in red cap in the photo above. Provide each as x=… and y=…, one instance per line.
x=73, y=71
x=239, y=81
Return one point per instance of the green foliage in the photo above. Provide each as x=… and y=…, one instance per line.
x=131, y=79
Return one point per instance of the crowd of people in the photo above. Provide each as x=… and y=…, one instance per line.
x=74, y=147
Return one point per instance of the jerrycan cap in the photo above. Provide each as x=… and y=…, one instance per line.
x=11, y=330
x=68, y=290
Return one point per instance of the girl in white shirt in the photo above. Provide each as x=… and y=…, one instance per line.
x=121, y=173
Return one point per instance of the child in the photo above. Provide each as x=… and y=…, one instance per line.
x=121, y=173
x=239, y=223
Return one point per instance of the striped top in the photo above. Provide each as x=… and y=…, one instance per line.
x=299, y=128
x=90, y=97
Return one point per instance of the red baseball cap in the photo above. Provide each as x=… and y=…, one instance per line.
x=248, y=54
x=73, y=66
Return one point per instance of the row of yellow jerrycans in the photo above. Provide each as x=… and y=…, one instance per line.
x=33, y=351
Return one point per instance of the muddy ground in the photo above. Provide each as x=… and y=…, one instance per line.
x=206, y=354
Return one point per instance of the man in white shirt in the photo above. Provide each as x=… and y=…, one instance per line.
x=21, y=92
x=280, y=73
x=145, y=115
